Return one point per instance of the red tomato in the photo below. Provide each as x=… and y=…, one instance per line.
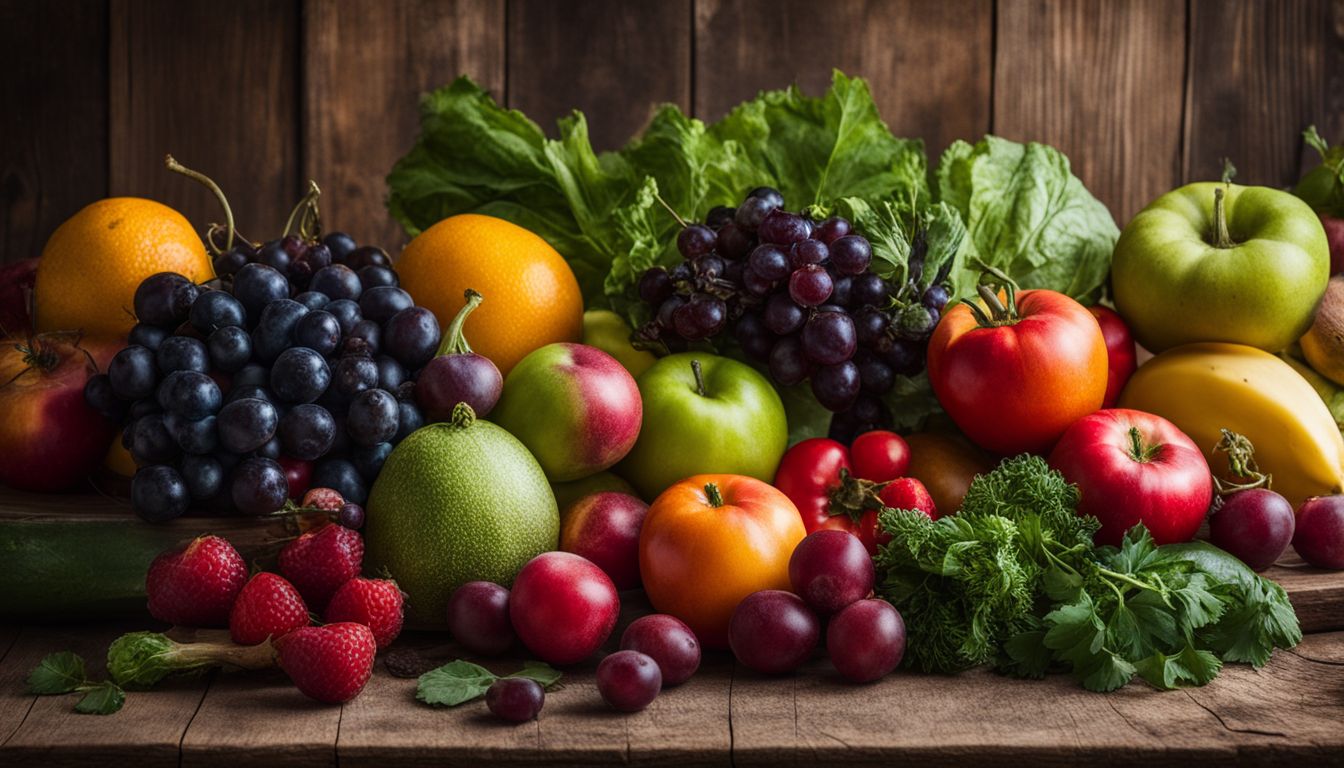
x=1133, y=467
x=839, y=488
x=1121, y=356
x=1014, y=377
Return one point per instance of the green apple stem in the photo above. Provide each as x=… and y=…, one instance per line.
x=209, y=183
x=699, y=378
x=455, y=341
x=1221, y=237
x=463, y=416
x=1241, y=461
x=712, y=493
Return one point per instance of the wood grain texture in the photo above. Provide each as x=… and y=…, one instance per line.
x=366, y=63
x=1259, y=73
x=215, y=85
x=53, y=127
x=260, y=718
x=1099, y=80
x=928, y=62
x=147, y=730
x=615, y=61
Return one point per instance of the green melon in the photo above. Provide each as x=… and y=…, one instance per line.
x=455, y=502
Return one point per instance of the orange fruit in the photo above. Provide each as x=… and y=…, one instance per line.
x=531, y=296
x=94, y=261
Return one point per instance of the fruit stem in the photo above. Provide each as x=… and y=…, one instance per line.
x=712, y=493
x=463, y=416
x=1221, y=237
x=454, y=341
x=1001, y=312
x=1241, y=462
x=306, y=213
x=853, y=497
x=1137, y=450
x=699, y=378
x=680, y=220
x=177, y=167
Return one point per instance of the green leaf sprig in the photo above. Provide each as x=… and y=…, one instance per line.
x=459, y=682
x=1012, y=580
x=65, y=672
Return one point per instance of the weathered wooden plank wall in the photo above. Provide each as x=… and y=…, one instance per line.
x=263, y=94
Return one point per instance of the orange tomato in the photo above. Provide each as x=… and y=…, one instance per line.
x=711, y=540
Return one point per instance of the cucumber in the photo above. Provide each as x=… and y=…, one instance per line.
x=79, y=557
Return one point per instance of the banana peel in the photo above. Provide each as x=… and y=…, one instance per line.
x=1206, y=387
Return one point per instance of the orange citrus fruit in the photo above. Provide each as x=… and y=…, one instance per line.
x=94, y=261
x=531, y=296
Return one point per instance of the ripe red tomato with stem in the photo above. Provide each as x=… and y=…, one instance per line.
x=1016, y=372
x=1121, y=354
x=841, y=488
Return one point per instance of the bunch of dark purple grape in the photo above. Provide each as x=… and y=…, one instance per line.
x=294, y=369
x=799, y=297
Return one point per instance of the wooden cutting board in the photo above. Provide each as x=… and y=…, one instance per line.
x=85, y=555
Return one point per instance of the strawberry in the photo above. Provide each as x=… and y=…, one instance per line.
x=268, y=606
x=375, y=603
x=327, y=499
x=909, y=493
x=321, y=560
x=195, y=586
x=329, y=663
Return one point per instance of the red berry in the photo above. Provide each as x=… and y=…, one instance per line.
x=375, y=603
x=195, y=586
x=321, y=560
x=298, y=474
x=327, y=499
x=909, y=493
x=329, y=663
x=268, y=606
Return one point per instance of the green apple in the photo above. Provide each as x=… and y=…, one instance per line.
x=609, y=332
x=704, y=414
x=1221, y=262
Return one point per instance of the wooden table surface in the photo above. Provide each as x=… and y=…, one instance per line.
x=1290, y=712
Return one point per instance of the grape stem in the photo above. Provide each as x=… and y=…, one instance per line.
x=306, y=215
x=675, y=215
x=209, y=183
x=455, y=341
x=699, y=378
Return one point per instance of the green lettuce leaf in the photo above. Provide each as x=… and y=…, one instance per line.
x=1027, y=214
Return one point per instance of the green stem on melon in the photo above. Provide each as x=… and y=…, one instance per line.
x=455, y=341
x=699, y=378
x=463, y=416
x=1221, y=237
x=712, y=493
x=1241, y=461
x=209, y=183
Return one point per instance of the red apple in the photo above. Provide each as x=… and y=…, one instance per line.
x=575, y=407
x=604, y=527
x=17, y=279
x=1133, y=467
x=50, y=438
x=563, y=607
x=1120, y=351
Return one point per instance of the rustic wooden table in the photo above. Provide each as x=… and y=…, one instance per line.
x=1290, y=712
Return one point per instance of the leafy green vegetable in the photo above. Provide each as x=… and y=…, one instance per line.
x=458, y=682
x=64, y=672
x=1013, y=580
x=1323, y=186
x=142, y=659
x=1028, y=215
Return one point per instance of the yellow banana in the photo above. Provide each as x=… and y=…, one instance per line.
x=1205, y=387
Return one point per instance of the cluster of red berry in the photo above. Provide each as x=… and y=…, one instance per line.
x=206, y=584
